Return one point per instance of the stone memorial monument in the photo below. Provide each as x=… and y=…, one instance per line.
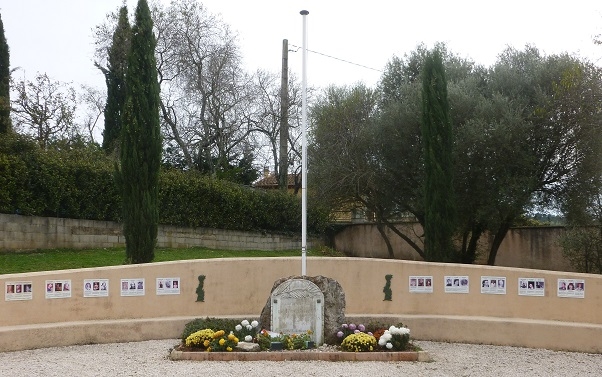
x=301, y=303
x=298, y=307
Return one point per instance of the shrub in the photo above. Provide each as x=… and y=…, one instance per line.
x=74, y=183
x=246, y=330
x=289, y=341
x=348, y=329
x=201, y=338
x=581, y=247
x=214, y=324
x=295, y=341
x=376, y=328
x=79, y=183
x=264, y=339
x=222, y=342
x=359, y=342
x=378, y=333
x=193, y=200
x=395, y=338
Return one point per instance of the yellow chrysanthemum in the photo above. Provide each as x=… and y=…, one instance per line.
x=229, y=349
x=198, y=338
x=222, y=341
x=359, y=342
x=218, y=334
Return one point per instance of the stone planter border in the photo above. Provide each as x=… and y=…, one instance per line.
x=300, y=356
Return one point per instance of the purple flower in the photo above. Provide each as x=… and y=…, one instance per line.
x=362, y=328
x=356, y=331
x=340, y=334
x=369, y=333
x=351, y=326
x=344, y=325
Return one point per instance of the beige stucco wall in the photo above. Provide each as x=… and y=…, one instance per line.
x=533, y=247
x=364, y=240
x=528, y=247
x=240, y=288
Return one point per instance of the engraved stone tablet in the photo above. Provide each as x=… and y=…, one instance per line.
x=298, y=306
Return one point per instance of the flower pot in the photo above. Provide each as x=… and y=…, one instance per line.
x=276, y=346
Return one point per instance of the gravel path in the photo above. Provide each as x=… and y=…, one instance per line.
x=149, y=359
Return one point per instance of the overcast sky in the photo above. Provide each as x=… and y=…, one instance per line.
x=55, y=36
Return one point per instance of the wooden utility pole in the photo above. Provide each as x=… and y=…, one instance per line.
x=283, y=162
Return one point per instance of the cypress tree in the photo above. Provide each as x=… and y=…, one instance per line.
x=440, y=212
x=141, y=143
x=5, y=123
x=115, y=79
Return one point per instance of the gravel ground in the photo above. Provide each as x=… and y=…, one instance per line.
x=149, y=359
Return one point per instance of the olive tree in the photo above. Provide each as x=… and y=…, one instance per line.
x=526, y=134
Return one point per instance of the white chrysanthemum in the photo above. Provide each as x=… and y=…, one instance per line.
x=386, y=336
x=238, y=327
x=248, y=338
x=245, y=323
x=399, y=330
x=381, y=341
x=254, y=324
x=389, y=346
x=249, y=327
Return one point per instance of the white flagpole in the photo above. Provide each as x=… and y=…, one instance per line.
x=304, y=13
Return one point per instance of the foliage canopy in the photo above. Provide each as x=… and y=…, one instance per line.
x=526, y=135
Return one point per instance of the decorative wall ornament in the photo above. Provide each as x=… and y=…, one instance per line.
x=387, y=289
x=200, y=293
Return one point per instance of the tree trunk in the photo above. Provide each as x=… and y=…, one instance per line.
x=405, y=238
x=379, y=227
x=497, y=241
x=468, y=254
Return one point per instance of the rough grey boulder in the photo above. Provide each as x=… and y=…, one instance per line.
x=334, y=305
x=247, y=347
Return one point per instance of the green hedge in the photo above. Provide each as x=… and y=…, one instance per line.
x=79, y=183
x=75, y=183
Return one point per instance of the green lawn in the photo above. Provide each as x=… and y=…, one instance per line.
x=61, y=259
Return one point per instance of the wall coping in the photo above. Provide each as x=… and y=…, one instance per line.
x=522, y=332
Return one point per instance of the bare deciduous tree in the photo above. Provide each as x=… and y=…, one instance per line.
x=206, y=96
x=44, y=109
x=94, y=101
x=268, y=102
x=214, y=115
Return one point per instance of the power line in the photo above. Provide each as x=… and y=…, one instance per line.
x=339, y=59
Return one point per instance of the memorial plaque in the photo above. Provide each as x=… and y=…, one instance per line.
x=298, y=306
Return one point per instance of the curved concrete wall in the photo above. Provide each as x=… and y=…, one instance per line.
x=240, y=288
